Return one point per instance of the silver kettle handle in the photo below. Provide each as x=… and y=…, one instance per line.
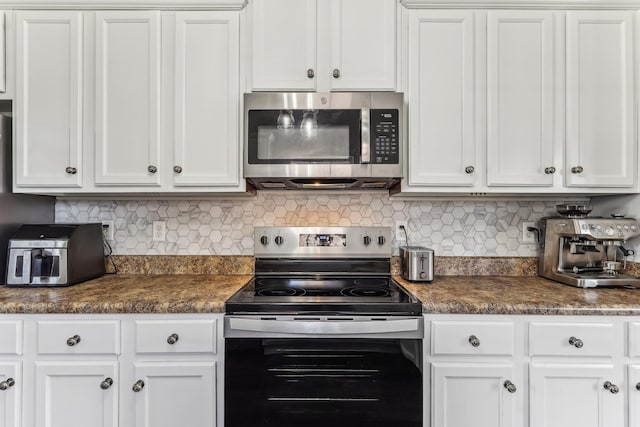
x=26, y=267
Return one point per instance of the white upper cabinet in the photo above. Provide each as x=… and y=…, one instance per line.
x=48, y=105
x=207, y=65
x=363, y=45
x=520, y=65
x=601, y=140
x=283, y=44
x=127, y=98
x=441, y=96
x=309, y=45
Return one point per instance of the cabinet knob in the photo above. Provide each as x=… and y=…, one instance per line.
x=336, y=73
x=173, y=338
x=9, y=382
x=108, y=382
x=511, y=387
x=638, y=386
x=71, y=171
x=577, y=169
x=576, y=342
x=469, y=169
x=73, y=340
x=474, y=341
x=310, y=73
x=550, y=170
x=177, y=169
x=608, y=385
x=152, y=169
x=138, y=386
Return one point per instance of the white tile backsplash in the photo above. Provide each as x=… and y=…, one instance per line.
x=208, y=227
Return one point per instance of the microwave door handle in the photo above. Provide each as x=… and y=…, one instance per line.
x=26, y=267
x=365, y=123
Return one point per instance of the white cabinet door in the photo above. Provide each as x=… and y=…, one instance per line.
x=71, y=394
x=441, y=92
x=207, y=145
x=48, y=105
x=520, y=98
x=634, y=396
x=127, y=98
x=284, y=47
x=363, y=45
x=174, y=394
x=564, y=395
x=475, y=394
x=10, y=393
x=600, y=147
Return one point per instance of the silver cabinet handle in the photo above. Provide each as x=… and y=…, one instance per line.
x=577, y=169
x=9, y=382
x=177, y=169
x=310, y=73
x=336, y=73
x=469, y=169
x=576, y=342
x=73, y=340
x=138, y=386
x=108, y=382
x=173, y=338
x=474, y=341
x=608, y=385
x=550, y=170
x=511, y=387
x=71, y=171
x=152, y=169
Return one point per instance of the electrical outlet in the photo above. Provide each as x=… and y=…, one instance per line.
x=401, y=233
x=159, y=232
x=528, y=236
x=107, y=229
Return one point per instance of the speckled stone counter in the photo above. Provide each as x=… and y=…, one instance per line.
x=520, y=295
x=136, y=293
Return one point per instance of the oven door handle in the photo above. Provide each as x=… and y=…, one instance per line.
x=324, y=327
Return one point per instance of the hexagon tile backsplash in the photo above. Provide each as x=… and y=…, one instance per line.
x=205, y=227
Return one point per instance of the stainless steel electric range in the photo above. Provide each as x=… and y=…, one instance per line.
x=323, y=335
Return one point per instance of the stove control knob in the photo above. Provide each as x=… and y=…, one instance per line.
x=279, y=240
x=264, y=240
x=381, y=240
x=609, y=231
x=366, y=240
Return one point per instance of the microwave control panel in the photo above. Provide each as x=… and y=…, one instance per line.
x=384, y=136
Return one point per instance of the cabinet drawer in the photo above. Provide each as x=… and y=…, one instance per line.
x=176, y=336
x=79, y=337
x=477, y=338
x=634, y=339
x=571, y=339
x=11, y=337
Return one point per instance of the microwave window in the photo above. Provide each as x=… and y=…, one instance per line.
x=304, y=136
x=318, y=142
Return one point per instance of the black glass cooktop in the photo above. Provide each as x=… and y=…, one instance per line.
x=328, y=295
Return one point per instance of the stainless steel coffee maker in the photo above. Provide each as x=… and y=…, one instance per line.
x=584, y=251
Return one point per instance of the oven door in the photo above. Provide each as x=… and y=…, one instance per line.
x=323, y=371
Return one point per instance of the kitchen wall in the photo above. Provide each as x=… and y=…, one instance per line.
x=213, y=227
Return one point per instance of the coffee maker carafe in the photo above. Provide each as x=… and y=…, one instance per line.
x=584, y=251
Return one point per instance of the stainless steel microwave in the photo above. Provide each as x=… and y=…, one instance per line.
x=323, y=140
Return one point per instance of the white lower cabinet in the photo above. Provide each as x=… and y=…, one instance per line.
x=573, y=394
x=76, y=394
x=168, y=394
x=10, y=393
x=478, y=394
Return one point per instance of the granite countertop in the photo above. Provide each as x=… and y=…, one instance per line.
x=205, y=293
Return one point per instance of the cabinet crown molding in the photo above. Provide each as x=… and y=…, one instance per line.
x=125, y=4
x=522, y=4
